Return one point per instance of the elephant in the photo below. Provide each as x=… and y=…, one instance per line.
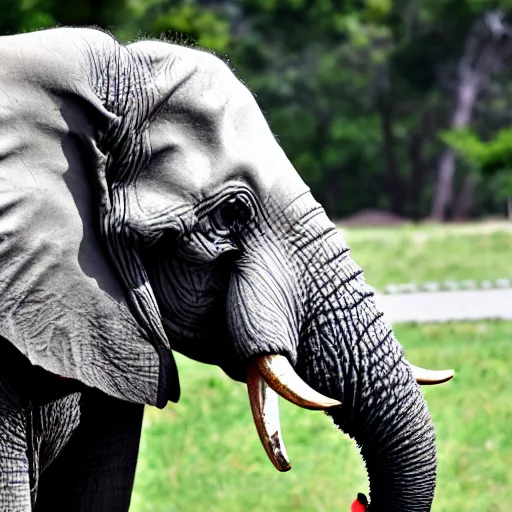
x=146, y=207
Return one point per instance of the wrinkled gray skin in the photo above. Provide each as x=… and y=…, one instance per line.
x=146, y=206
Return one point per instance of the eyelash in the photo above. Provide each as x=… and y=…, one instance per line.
x=233, y=213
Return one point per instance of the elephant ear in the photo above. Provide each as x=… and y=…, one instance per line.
x=63, y=301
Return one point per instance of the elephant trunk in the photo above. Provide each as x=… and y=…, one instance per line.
x=400, y=457
x=347, y=351
x=397, y=443
x=301, y=296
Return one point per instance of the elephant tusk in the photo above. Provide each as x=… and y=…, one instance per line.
x=268, y=377
x=431, y=377
x=265, y=411
x=281, y=377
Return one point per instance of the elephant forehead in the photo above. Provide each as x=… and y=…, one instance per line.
x=208, y=135
x=190, y=78
x=207, y=72
x=220, y=117
x=193, y=155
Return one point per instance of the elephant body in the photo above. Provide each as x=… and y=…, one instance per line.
x=63, y=445
x=145, y=207
x=63, y=436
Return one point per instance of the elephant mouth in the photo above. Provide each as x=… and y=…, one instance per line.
x=271, y=376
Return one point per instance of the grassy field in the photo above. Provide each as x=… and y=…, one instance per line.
x=432, y=252
x=203, y=454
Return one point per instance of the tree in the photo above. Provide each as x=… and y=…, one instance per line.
x=488, y=45
x=36, y=14
x=490, y=159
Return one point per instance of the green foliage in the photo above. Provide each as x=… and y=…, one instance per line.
x=492, y=158
x=313, y=70
x=26, y=15
x=187, y=21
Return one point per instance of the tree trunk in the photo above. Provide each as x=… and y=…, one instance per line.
x=465, y=200
x=385, y=107
x=468, y=89
x=333, y=188
x=415, y=185
x=486, y=48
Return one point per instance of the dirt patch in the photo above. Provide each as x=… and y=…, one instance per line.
x=372, y=217
x=476, y=227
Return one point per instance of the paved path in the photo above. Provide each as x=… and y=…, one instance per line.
x=446, y=306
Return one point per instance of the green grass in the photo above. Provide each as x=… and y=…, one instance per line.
x=432, y=253
x=203, y=454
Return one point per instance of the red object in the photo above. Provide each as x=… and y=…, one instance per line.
x=359, y=504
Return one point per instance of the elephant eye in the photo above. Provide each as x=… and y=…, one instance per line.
x=235, y=212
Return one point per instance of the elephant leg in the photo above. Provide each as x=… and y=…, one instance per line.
x=95, y=470
x=15, y=482
x=15, y=467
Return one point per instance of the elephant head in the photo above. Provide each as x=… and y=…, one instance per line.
x=222, y=252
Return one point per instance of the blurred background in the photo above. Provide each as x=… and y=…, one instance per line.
x=398, y=116
x=389, y=110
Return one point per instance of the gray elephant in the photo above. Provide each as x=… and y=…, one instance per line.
x=146, y=207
